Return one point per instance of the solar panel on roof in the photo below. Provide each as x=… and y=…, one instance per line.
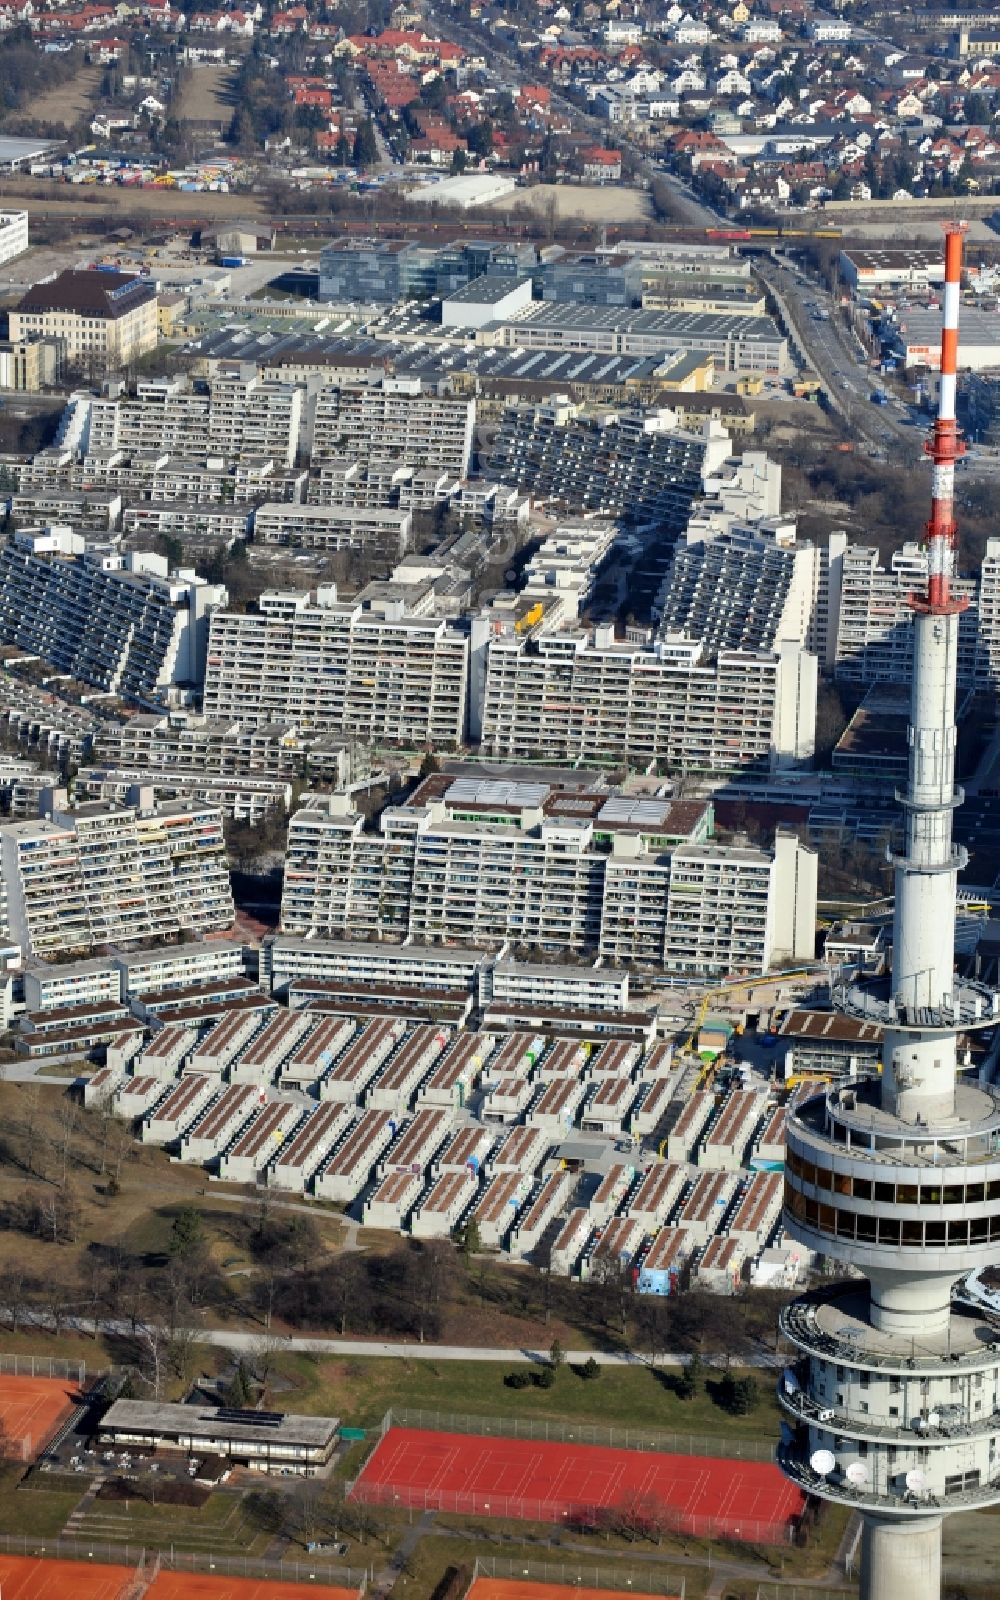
x=264, y=1419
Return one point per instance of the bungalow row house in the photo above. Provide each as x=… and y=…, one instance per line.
x=762, y=189
x=240, y=24
x=571, y=61
x=699, y=147
x=464, y=108
x=435, y=142
x=602, y=166
x=395, y=44
x=319, y=98
x=285, y=24
x=101, y=53
x=393, y=88
x=327, y=141
x=533, y=95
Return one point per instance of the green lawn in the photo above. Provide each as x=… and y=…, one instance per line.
x=435, y=1553
x=220, y=1524
x=38, y=1513
x=360, y=1390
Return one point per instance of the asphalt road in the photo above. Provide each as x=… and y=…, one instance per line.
x=691, y=212
x=405, y=1351
x=838, y=360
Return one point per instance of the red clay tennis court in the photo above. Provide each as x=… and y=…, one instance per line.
x=31, y=1409
x=544, y=1482
x=28, y=1578
x=199, y=1586
x=31, y=1578
x=516, y=1589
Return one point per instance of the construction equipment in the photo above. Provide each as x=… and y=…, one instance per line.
x=807, y=1077
x=732, y=987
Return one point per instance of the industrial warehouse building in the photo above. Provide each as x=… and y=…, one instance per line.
x=914, y=266
x=917, y=338
x=737, y=342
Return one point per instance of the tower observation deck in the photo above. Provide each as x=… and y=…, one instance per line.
x=893, y=1402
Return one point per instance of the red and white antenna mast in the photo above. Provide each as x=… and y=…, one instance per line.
x=946, y=447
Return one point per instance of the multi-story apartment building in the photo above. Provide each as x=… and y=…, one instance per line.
x=245, y=799
x=483, y=863
x=581, y=696
x=73, y=879
x=875, y=622
x=635, y=465
x=742, y=588
x=568, y=563
x=383, y=530
x=124, y=624
x=188, y=519
x=327, y=665
x=704, y=911
x=285, y=958
x=32, y=364
x=237, y=414
x=160, y=479
x=13, y=234
x=392, y=416
x=183, y=966
x=107, y=319
x=85, y=510
x=222, y=748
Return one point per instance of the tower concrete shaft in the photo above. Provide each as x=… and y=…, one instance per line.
x=894, y=1399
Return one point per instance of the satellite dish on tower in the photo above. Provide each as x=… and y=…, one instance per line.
x=857, y=1473
x=823, y=1462
x=915, y=1481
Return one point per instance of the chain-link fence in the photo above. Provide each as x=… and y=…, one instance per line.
x=17, y=1366
x=582, y=1575
x=795, y=1591
x=230, y=1566
x=649, y=1517
x=680, y=1444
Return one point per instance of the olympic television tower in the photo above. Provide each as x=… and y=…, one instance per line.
x=893, y=1402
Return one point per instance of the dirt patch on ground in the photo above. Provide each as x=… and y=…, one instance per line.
x=489, y=1326
x=169, y=206
x=591, y=202
x=208, y=95
x=972, y=1550
x=167, y=1491
x=70, y=101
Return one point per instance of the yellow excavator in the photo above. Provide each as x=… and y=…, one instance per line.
x=733, y=987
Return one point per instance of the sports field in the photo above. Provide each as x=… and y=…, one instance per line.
x=515, y=1589
x=31, y=1409
x=26, y=1578
x=30, y=1578
x=196, y=1586
x=539, y=1481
